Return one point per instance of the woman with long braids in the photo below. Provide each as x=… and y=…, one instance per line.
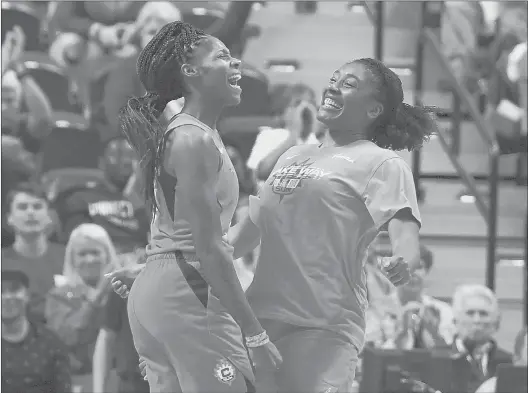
x=316, y=216
x=184, y=304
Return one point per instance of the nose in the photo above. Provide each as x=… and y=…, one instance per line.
x=332, y=88
x=235, y=63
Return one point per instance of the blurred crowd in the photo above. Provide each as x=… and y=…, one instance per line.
x=72, y=207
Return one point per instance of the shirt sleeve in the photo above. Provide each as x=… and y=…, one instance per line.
x=389, y=190
x=267, y=140
x=113, y=313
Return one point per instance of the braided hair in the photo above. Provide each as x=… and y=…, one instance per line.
x=158, y=68
x=400, y=126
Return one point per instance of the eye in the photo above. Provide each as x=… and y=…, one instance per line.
x=350, y=83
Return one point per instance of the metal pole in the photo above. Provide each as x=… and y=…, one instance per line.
x=491, y=260
x=417, y=97
x=378, y=32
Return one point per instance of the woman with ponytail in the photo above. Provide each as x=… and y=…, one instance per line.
x=315, y=218
x=184, y=304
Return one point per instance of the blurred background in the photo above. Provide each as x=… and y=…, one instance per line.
x=67, y=68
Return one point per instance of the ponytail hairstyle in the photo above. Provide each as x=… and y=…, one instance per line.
x=400, y=126
x=158, y=68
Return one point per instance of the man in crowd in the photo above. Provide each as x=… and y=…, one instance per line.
x=32, y=253
x=104, y=204
x=33, y=359
x=477, y=319
x=415, y=320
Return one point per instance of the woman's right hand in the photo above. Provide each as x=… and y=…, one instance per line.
x=122, y=279
x=266, y=358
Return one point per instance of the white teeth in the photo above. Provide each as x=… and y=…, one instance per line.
x=233, y=80
x=331, y=103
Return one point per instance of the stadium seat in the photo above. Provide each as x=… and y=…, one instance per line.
x=53, y=80
x=19, y=14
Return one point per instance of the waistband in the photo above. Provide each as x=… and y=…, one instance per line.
x=174, y=256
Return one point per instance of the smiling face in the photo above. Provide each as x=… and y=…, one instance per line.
x=350, y=102
x=214, y=73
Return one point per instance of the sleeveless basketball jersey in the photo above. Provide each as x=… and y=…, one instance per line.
x=318, y=212
x=170, y=230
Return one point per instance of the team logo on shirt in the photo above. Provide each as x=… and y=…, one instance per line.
x=286, y=179
x=225, y=372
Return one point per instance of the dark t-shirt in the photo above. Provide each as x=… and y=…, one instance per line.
x=38, y=364
x=116, y=319
x=128, y=227
x=40, y=272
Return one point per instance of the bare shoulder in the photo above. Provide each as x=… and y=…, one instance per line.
x=190, y=149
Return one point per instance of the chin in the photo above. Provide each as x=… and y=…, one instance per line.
x=235, y=101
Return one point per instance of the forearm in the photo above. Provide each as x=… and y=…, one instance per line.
x=39, y=106
x=220, y=274
x=407, y=245
x=102, y=363
x=244, y=237
x=234, y=22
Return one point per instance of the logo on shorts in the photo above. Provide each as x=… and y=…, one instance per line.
x=225, y=372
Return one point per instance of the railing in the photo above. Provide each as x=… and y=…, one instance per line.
x=488, y=210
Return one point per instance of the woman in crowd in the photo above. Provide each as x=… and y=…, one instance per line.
x=315, y=218
x=74, y=306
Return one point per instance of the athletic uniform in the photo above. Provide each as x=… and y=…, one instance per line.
x=188, y=339
x=318, y=213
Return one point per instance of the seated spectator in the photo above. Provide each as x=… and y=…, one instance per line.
x=421, y=320
x=519, y=359
x=295, y=105
x=115, y=341
x=104, y=203
x=26, y=110
x=477, y=319
x=18, y=166
x=74, y=307
x=32, y=253
x=33, y=358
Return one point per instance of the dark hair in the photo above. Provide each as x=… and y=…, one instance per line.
x=158, y=68
x=33, y=189
x=400, y=126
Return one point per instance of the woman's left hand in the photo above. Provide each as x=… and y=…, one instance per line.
x=396, y=269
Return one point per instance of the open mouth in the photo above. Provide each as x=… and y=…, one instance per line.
x=331, y=104
x=233, y=81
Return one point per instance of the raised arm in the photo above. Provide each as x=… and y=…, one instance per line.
x=193, y=159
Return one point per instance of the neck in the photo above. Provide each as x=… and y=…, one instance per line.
x=31, y=246
x=204, y=110
x=343, y=138
x=15, y=330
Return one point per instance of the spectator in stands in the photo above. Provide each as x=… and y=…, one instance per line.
x=115, y=341
x=104, y=203
x=32, y=253
x=74, y=306
x=18, y=166
x=519, y=358
x=422, y=321
x=33, y=358
x=122, y=82
x=295, y=105
x=477, y=319
x=26, y=110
